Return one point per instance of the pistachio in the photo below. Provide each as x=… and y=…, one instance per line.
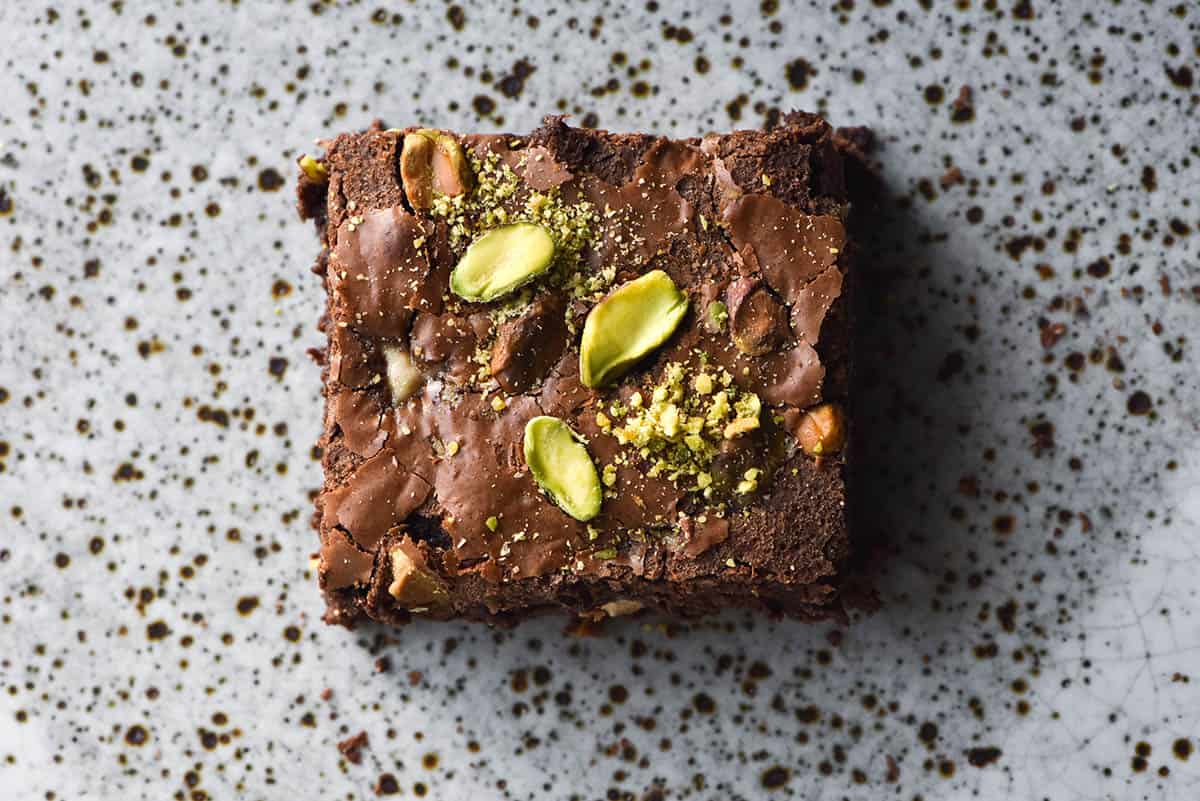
x=414, y=585
x=562, y=466
x=749, y=482
x=621, y=607
x=739, y=426
x=314, y=170
x=432, y=163
x=758, y=322
x=416, y=170
x=633, y=320
x=451, y=173
x=501, y=260
x=717, y=316
x=403, y=377
x=822, y=432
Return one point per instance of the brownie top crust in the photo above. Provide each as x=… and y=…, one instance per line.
x=675, y=307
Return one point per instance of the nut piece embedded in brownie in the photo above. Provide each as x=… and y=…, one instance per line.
x=582, y=370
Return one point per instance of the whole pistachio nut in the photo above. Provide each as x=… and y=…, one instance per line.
x=451, y=172
x=403, y=377
x=822, y=431
x=633, y=320
x=416, y=169
x=501, y=260
x=314, y=170
x=562, y=466
x=621, y=607
x=758, y=322
x=432, y=163
x=414, y=585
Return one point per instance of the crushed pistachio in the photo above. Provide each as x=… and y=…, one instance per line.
x=679, y=433
x=492, y=523
x=606, y=553
x=718, y=314
x=739, y=426
x=452, y=448
x=510, y=307
x=572, y=226
x=609, y=475
x=749, y=482
x=499, y=404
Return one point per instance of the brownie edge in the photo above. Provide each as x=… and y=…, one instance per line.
x=681, y=309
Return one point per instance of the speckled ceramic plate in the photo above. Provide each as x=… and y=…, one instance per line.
x=1030, y=411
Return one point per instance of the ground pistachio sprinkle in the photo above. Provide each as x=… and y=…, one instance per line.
x=573, y=226
x=679, y=432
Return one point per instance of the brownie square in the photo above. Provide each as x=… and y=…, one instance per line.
x=580, y=370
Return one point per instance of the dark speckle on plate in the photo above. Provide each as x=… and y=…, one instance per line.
x=1027, y=425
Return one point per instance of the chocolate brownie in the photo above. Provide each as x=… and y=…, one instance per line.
x=581, y=370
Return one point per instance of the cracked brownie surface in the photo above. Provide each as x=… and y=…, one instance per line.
x=582, y=370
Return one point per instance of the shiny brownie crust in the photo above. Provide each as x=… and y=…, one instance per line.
x=438, y=481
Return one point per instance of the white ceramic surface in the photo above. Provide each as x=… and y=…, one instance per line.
x=1039, y=636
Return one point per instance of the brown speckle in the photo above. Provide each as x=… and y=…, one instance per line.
x=776, y=777
x=269, y=180
x=982, y=757
x=352, y=746
x=1139, y=403
x=963, y=107
x=483, y=105
x=798, y=72
x=137, y=735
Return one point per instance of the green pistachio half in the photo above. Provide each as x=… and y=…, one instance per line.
x=501, y=260
x=562, y=466
x=632, y=321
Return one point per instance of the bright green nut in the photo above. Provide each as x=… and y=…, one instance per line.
x=562, y=466
x=502, y=260
x=314, y=169
x=718, y=314
x=631, y=322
